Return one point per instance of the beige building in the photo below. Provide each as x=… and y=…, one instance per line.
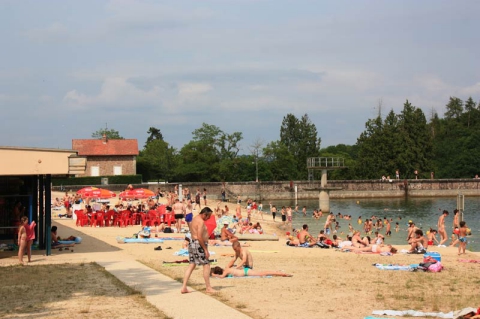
x=25, y=187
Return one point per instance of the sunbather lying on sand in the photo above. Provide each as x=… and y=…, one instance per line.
x=219, y=272
x=373, y=249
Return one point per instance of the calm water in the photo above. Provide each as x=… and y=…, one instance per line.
x=424, y=212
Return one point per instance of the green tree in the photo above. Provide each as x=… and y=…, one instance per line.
x=198, y=162
x=471, y=111
x=153, y=134
x=299, y=136
x=415, y=147
x=281, y=162
x=211, y=155
x=157, y=161
x=402, y=142
x=110, y=133
x=370, y=158
x=454, y=108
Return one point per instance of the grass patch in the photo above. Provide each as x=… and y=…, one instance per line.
x=67, y=290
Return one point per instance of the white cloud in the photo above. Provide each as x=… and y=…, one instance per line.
x=116, y=92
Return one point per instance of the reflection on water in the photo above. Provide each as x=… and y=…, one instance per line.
x=423, y=211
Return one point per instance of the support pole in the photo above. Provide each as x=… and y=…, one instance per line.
x=48, y=213
x=41, y=219
x=324, y=201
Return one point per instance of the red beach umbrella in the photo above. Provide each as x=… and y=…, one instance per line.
x=94, y=192
x=86, y=190
x=211, y=224
x=137, y=193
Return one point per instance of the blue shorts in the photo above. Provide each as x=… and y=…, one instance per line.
x=189, y=217
x=462, y=239
x=305, y=244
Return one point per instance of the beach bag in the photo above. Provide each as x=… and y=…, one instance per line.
x=424, y=266
x=436, y=267
x=429, y=259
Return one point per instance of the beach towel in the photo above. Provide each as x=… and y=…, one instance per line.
x=413, y=313
x=411, y=267
x=184, y=252
x=184, y=262
x=77, y=240
x=126, y=240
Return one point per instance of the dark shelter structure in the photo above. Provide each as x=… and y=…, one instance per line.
x=25, y=182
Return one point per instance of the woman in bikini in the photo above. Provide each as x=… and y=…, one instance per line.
x=219, y=272
x=374, y=249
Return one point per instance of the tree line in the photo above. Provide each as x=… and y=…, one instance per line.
x=446, y=147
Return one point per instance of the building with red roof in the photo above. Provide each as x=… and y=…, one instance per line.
x=108, y=156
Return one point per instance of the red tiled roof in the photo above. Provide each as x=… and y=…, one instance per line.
x=111, y=147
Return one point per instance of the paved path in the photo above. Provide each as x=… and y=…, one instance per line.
x=164, y=292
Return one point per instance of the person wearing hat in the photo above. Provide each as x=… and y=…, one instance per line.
x=226, y=234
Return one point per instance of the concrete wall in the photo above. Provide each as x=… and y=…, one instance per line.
x=309, y=190
x=349, y=189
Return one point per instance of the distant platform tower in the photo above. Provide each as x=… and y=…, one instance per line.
x=324, y=164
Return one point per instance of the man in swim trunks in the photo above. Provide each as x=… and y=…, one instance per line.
x=304, y=237
x=179, y=211
x=198, y=250
x=244, y=255
x=284, y=217
x=419, y=244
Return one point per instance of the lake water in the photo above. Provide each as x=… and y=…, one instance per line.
x=424, y=212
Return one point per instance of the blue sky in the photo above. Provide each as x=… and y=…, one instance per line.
x=69, y=67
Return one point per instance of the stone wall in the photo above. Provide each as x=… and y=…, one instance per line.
x=349, y=189
x=310, y=190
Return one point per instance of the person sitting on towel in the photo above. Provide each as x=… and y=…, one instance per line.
x=304, y=237
x=418, y=244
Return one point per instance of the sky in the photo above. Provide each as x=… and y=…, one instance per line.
x=70, y=68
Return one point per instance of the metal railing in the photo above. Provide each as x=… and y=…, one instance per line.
x=325, y=162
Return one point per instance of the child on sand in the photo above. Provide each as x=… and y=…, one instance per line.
x=462, y=237
x=432, y=236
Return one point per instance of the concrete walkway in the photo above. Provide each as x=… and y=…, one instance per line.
x=164, y=292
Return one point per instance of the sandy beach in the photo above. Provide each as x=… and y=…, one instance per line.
x=326, y=283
